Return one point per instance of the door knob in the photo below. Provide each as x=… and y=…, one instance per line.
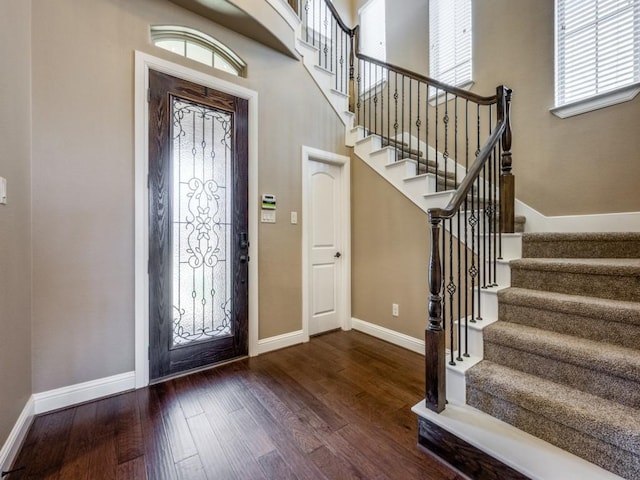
x=337, y=255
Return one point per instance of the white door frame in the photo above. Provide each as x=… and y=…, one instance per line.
x=313, y=154
x=143, y=63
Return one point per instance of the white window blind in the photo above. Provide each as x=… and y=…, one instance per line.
x=373, y=41
x=597, y=47
x=450, y=40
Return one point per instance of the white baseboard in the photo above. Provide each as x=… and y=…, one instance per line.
x=281, y=341
x=391, y=336
x=83, y=392
x=17, y=435
x=604, y=222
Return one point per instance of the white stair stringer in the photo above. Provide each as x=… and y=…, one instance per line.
x=325, y=79
x=400, y=174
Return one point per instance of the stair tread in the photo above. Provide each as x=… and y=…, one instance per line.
x=601, y=356
x=581, y=236
x=605, y=420
x=586, y=306
x=595, y=266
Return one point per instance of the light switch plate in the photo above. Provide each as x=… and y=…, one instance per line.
x=294, y=218
x=3, y=191
x=268, y=216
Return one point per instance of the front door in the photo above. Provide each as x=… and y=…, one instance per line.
x=325, y=234
x=198, y=244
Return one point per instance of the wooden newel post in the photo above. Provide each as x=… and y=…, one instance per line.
x=352, y=78
x=507, y=180
x=434, y=334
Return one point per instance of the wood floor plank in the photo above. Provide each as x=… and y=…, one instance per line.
x=175, y=423
x=337, y=407
x=129, y=442
x=335, y=467
x=134, y=469
x=158, y=459
x=209, y=449
x=191, y=469
x=44, y=449
x=77, y=454
x=275, y=467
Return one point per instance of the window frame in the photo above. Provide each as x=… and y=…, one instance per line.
x=600, y=100
x=191, y=35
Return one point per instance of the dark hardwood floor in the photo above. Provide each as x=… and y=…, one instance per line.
x=338, y=407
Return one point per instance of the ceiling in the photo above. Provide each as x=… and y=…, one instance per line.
x=245, y=21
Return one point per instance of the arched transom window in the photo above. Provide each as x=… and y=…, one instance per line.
x=198, y=46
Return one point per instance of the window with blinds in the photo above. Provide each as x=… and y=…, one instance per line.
x=597, y=47
x=450, y=37
x=373, y=42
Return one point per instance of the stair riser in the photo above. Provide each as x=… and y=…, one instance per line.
x=622, y=334
x=581, y=249
x=475, y=343
x=488, y=304
x=609, y=457
x=586, y=379
x=601, y=286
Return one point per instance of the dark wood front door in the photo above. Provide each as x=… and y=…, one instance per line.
x=198, y=244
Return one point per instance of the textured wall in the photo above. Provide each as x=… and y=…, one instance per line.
x=83, y=180
x=15, y=225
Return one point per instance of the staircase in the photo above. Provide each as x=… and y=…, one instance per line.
x=557, y=353
x=563, y=360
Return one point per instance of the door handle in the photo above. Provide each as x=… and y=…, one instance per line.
x=337, y=255
x=244, y=240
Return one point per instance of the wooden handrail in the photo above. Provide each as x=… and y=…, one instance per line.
x=336, y=15
x=472, y=175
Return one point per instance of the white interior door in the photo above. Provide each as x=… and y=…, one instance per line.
x=325, y=244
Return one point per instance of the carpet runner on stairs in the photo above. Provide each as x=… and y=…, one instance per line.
x=563, y=360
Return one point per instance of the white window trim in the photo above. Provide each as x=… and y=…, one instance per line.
x=594, y=102
x=603, y=100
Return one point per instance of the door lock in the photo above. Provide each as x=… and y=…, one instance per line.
x=337, y=255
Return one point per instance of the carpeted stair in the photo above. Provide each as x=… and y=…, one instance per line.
x=563, y=360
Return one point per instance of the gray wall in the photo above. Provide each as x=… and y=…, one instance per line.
x=83, y=181
x=15, y=224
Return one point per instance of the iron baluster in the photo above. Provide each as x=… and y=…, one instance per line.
x=437, y=121
x=395, y=99
x=375, y=101
x=409, y=120
x=451, y=289
x=418, y=123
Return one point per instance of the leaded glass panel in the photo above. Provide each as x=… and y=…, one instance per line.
x=201, y=192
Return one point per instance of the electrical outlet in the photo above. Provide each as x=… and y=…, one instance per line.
x=395, y=310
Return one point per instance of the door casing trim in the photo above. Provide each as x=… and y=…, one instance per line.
x=143, y=63
x=313, y=154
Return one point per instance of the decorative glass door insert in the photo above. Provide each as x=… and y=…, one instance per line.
x=201, y=157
